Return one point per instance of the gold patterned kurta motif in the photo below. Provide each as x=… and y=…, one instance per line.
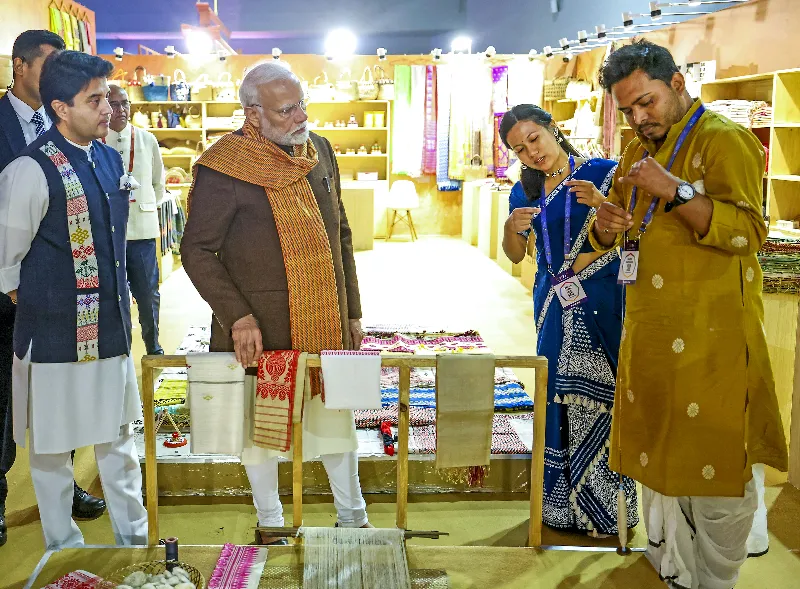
x=695, y=402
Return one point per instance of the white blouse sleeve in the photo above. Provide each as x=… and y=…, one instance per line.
x=24, y=199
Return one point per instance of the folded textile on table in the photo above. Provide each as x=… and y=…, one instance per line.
x=280, y=391
x=238, y=567
x=79, y=580
x=464, y=409
x=352, y=379
x=216, y=403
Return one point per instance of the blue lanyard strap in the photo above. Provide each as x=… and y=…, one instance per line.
x=548, y=254
x=678, y=145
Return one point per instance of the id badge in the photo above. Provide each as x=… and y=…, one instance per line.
x=629, y=263
x=569, y=289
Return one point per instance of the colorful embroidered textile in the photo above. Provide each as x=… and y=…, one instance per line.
x=314, y=313
x=352, y=379
x=279, y=398
x=500, y=89
x=409, y=117
x=79, y=580
x=87, y=276
x=238, y=567
x=68, y=40
x=56, y=24
x=429, y=160
x=443, y=91
x=77, y=43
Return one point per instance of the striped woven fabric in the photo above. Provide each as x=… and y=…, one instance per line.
x=313, y=297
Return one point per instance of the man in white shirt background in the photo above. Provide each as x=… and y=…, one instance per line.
x=147, y=169
x=22, y=120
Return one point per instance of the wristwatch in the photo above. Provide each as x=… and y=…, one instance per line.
x=684, y=194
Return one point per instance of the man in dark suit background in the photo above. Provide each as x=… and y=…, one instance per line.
x=22, y=120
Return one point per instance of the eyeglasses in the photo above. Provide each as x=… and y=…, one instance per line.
x=287, y=111
x=123, y=105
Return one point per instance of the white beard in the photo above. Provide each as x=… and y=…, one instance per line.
x=283, y=138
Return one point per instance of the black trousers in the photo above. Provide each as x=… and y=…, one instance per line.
x=8, y=449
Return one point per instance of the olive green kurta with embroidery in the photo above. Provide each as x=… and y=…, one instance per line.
x=695, y=402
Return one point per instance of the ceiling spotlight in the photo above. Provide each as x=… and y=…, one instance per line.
x=583, y=37
x=461, y=45
x=490, y=51
x=276, y=53
x=532, y=54
x=564, y=42
x=601, y=31
x=340, y=43
x=381, y=53
x=436, y=54
x=655, y=11
x=567, y=57
x=627, y=19
x=170, y=52
x=548, y=51
x=118, y=53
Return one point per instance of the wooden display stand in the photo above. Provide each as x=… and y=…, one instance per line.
x=405, y=363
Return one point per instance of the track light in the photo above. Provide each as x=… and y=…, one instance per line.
x=655, y=11
x=119, y=52
x=169, y=51
x=564, y=42
x=461, y=45
x=583, y=37
x=436, y=54
x=600, y=30
x=381, y=54
x=627, y=19
x=532, y=54
x=567, y=57
x=548, y=51
x=276, y=53
x=490, y=52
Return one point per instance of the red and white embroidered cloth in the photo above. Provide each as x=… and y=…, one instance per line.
x=279, y=398
x=79, y=580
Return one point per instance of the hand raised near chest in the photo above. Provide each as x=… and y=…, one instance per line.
x=520, y=219
x=651, y=177
x=247, y=343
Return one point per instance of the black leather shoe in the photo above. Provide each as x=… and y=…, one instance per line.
x=85, y=507
x=3, y=531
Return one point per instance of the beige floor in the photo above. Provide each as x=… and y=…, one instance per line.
x=435, y=282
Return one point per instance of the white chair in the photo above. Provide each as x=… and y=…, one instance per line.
x=402, y=197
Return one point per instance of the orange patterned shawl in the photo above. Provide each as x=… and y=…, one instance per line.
x=313, y=297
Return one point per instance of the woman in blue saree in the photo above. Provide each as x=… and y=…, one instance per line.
x=579, y=331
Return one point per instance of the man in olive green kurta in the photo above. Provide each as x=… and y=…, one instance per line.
x=695, y=404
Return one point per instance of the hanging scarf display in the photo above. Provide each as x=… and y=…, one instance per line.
x=87, y=274
x=68, y=41
x=314, y=312
x=77, y=43
x=89, y=45
x=443, y=94
x=409, y=115
x=429, y=160
x=280, y=392
x=609, y=118
x=502, y=157
x=471, y=122
x=56, y=22
x=499, y=108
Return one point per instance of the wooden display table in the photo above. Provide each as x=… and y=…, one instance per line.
x=470, y=210
x=488, y=210
x=501, y=216
x=359, y=205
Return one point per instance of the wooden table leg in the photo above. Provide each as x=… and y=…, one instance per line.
x=537, y=457
x=150, y=464
x=402, y=447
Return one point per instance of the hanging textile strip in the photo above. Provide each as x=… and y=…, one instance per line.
x=352, y=379
x=464, y=412
x=499, y=89
x=237, y=566
x=77, y=42
x=279, y=398
x=429, y=160
x=443, y=95
x=56, y=24
x=501, y=156
x=79, y=580
x=68, y=40
x=314, y=311
x=87, y=275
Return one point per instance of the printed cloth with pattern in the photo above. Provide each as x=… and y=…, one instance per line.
x=279, y=398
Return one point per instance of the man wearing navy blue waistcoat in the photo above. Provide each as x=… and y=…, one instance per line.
x=22, y=120
x=63, y=216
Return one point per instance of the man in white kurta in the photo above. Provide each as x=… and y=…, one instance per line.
x=146, y=168
x=84, y=392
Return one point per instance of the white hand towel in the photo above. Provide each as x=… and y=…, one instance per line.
x=216, y=403
x=352, y=380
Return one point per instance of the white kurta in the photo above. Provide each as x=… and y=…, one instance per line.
x=70, y=404
x=148, y=170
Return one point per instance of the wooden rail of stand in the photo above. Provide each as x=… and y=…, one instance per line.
x=405, y=363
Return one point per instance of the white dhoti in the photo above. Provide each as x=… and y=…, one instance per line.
x=758, y=540
x=698, y=542
x=328, y=434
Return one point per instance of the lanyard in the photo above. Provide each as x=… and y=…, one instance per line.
x=130, y=162
x=567, y=223
x=681, y=139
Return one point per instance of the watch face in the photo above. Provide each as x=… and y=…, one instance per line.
x=685, y=192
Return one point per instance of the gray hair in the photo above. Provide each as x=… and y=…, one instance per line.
x=263, y=73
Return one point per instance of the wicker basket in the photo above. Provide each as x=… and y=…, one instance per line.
x=156, y=568
x=556, y=89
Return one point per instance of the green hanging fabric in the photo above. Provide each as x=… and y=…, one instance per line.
x=401, y=124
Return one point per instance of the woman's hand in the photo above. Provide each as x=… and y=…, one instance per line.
x=586, y=193
x=520, y=219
